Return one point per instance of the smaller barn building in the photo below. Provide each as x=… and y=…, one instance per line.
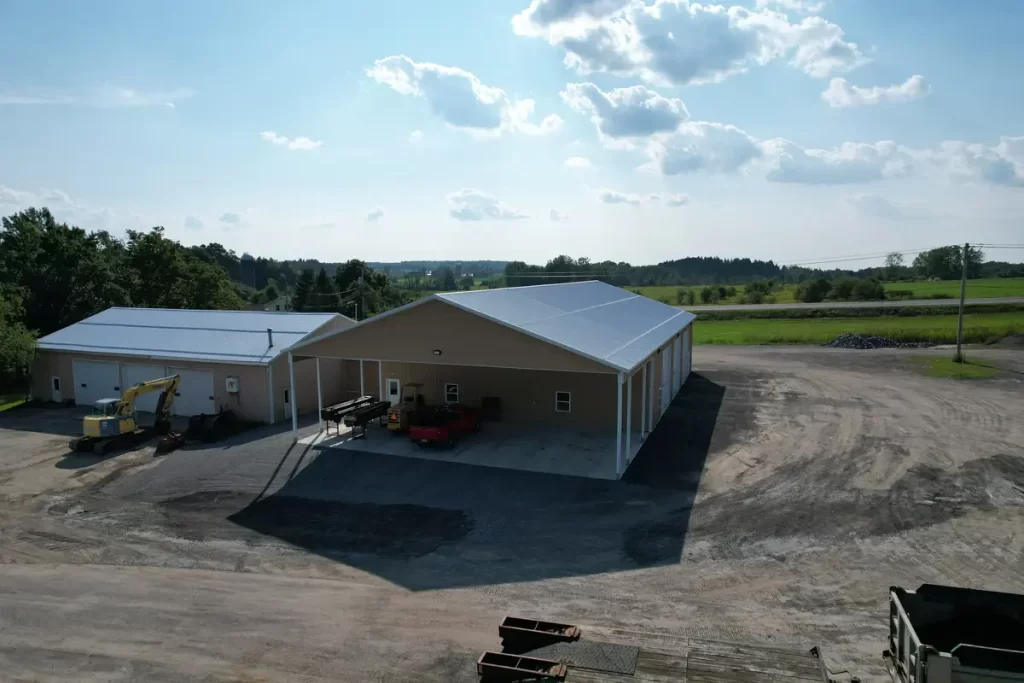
x=582, y=357
x=226, y=359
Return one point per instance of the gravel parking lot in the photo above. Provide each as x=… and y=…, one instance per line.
x=784, y=491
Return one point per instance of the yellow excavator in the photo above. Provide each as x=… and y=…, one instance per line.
x=113, y=422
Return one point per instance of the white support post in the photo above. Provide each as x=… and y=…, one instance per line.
x=650, y=400
x=291, y=395
x=319, y=397
x=643, y=404
x=380, y=380
x=270, y=392
x=629, y=418
x=362, y=380
x=675, y=368
x=618, y=427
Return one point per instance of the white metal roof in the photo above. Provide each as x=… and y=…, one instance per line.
x=610, y=325
x=172, y=334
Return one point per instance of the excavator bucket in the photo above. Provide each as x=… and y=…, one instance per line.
x=169, y=442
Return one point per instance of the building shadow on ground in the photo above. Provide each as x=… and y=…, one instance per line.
x=428, y=525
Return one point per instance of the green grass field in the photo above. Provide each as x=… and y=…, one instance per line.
x=9, y=401
x=980, y=327
x=976, y=289
x=667, y=294
x=945, y=367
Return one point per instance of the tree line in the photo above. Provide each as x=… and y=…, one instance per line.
x=53, y=274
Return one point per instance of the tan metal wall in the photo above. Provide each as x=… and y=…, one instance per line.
x=250, y=402
x=527, y=396
x=305, y=384
x=463, y=338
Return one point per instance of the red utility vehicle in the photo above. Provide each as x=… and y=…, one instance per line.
x=444, y=424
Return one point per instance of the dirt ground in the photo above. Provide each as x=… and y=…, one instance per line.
x=782, y=494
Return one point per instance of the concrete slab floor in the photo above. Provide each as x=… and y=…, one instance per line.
x=508, y=446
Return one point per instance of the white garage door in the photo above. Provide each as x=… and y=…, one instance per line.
x=95, y=380
x=195, y=392
x=136, y=374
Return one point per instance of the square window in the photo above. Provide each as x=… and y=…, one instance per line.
x=451, y=393
x=563, y=402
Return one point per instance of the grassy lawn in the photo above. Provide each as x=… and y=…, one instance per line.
x=8, y=401
x=979, y=327
x=667, y=294
x=976, y=289
x=945, y=367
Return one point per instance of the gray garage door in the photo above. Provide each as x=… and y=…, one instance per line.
x=95, y=380
x=195, y=393
x=136, y=374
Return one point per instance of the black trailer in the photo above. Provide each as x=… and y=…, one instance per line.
x=338, y=411
x=364, y=415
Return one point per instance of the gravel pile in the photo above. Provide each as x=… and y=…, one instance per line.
x=859, y=341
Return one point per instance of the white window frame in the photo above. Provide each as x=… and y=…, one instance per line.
x=567, y=402
x=447, y=392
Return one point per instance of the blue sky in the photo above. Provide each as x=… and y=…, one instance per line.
x=784, y=129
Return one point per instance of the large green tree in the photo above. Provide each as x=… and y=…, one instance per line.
x=17, y=343
x=64, y=274
x=303, y=289
x=165, y=275
x=946, y=263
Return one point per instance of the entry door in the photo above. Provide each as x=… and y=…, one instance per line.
x=394, y=391
x=195, y=392
x=55, y=393
x=677, y=365
x=95, y=380
x=137, y=374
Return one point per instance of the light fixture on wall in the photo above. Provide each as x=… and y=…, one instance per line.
x=437, y=352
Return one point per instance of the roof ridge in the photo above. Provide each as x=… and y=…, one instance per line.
x=546, y=284
x=212, y=310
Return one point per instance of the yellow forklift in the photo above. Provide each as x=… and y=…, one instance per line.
x=400, y=415
x=113, y=422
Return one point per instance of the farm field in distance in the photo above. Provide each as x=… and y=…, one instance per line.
x=978, y=327
x=976, y=289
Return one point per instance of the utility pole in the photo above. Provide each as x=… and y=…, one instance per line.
x=959, y=357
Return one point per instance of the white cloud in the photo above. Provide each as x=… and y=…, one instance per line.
x=458, y=97
x=840, y=93
x=557, y=215
x=577, y=162
x=193, y=223
x=375, y=214
x=876, y=206
x=299, y=144
x=802, y=6
x=626, y=112
x=679, y=42
x=614, y=197
x=105, y=96
x=676, y=200
x=231, y=218
x=543, y=13
x=1002, y=164
x=61, y=205
x=702, y=146
x=474, y=205
x=787, y=162
x=416, y=137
